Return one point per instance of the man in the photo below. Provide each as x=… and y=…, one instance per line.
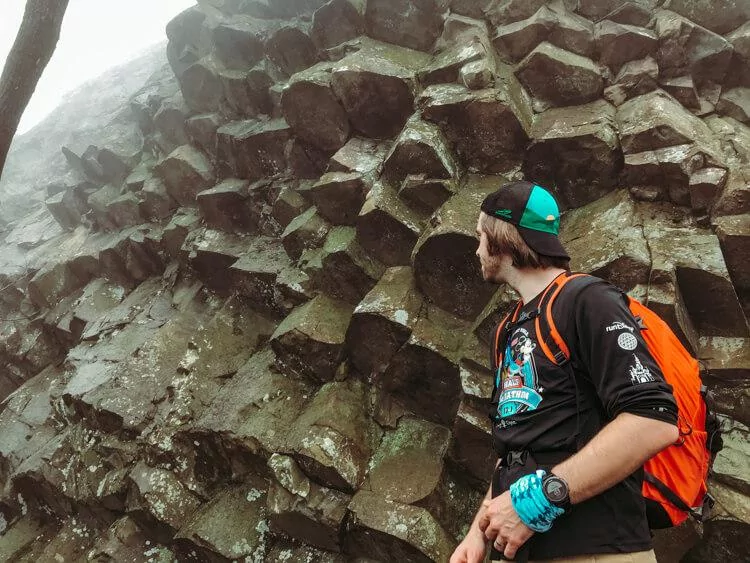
x=571, y=440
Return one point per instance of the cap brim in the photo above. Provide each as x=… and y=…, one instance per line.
x=543, y=243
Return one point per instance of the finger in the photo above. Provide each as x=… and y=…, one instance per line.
x=510, y=550
x=484, y=521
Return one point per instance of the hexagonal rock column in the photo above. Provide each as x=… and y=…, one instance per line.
x=201, y=85
x=52, y=283
x=223, y=207
x=734, y=235
x=634, y=79
x=239, y=42
x=376, y=87
x=391, y=531
x=211, y=253
x=386, y=228
x=735, y=199
x=302, y=509
x=705, y=185
x=246, y=91
x=336, y=22
x=619, y=43
x=342, y=269
x=255, y=275
x=253, y=149
x=446, y=66
x=310, y=340
x=656, y=120
x=291, y=49
x=419, y=149
x=555, y=77
x=382, y=321
x=62, y=206
x=338, y=196
x=125, y=210
x=735, y=103
x=445, y=265
x=359, y=155
x=186, y=171
x=689, y=49
x=159, y=501
x=405, y=22
x=312, y=110
x=423, y=375
x=564, y=29
x=155, y=201
x=684, y=91
x=605, y=238
x=306, y=231
x=98, y=202
x=488, y=129
x=333, y=439
x=577, y=150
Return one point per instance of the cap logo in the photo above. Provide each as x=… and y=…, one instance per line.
x=505, y=213
x=550, y=217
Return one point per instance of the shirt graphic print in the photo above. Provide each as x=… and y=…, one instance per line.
x=517, y=376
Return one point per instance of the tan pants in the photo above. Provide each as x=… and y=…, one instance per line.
x=638, y=557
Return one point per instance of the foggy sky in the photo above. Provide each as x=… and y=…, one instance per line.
x=95, y=35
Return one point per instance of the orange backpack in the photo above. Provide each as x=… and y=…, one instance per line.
x=675, y=479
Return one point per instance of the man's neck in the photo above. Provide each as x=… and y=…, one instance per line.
x=531, y=282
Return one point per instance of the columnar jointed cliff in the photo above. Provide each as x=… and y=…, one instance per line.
x=262, y=335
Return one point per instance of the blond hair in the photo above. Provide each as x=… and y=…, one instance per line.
x=504, y=238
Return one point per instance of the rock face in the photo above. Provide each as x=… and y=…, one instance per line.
x=245, y=320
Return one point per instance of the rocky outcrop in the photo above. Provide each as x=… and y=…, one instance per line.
x=250, y=323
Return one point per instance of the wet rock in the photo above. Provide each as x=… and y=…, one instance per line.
x=184, y=33
x=305, y=162
x=734, y=236
x=471, y=448
x=239, y=42
x=705, y=185
x=256, y=273
x=723, y=541
x=683, y=89
x=223, y=207
x=445, y=266
x=201, y=129
x=563, y=29
x=125, y=210
x=721, y=17
x=555, y=77
x=291, y=49
x=619, y=43
x=176, y=231
x=288, y=205
x=63, y=209
x=338, y=196
x=249, y=419
x=290, y=552
x=740, y=40
x=605, y=238
x=313, y=111
x=231, y=525
x=201, y=86
x=345, y=270
x=185, y=172
x=501, y=12
x=729, y=466
x=126, y=539
x=446, y=65
x=419, y=149
x=415, y=25
x=246, y=91
x=211, y=253
x=332, y=440
x=169, y=122
x=426, y=195
x=155, y=201
x=307, y=230
x=687, y=48
x=386, y=228
x=382, y=321
x=52, y=283
x=735, y=103
x=21, y=537
x=423, y=375
x=459, y=27
x=376, y=86
x=577, y=150
x=630, y=13
x=735, y=199
x=655, y=121
x=302, y=509
x=337, y=22
x=310, y=340
x=364, y=156
x=253, y=149
x=390, y=531
x=477, y=75
x=159, y=500
x=99, y=201
x=488, y=128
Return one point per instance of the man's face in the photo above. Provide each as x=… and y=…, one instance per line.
x=491, y=265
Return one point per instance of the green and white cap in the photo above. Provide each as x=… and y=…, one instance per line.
x=534, y=212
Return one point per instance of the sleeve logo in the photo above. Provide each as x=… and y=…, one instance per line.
x=617, y=325
x=627, y=341
x=639, y=373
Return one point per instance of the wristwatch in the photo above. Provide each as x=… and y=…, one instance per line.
x=556, y=491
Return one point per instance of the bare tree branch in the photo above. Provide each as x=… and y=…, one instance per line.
x=36, y=41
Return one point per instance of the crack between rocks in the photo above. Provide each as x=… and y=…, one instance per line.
x=650, y=262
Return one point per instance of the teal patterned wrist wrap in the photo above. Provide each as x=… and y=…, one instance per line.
x=530, y=503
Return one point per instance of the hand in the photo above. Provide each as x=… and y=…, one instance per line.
x=471, y=550
x=502, y=526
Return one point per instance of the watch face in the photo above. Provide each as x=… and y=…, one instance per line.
x=555, y=489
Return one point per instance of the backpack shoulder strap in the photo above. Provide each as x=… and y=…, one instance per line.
x=550, y=340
